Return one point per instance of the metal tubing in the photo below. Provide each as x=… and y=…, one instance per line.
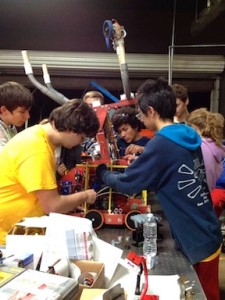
x=125, y=80
x=29, y=72
x=171, y=55
x=48, y=84
x=171, y=50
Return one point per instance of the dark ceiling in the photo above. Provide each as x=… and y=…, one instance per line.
x=76, y=25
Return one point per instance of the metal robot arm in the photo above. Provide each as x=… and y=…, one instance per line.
x=114, y=32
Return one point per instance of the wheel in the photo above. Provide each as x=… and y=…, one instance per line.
x=95, y=217
x=128, y=222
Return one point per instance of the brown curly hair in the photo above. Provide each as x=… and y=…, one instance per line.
x=210, y=124
x=126, y=115
x=75, y=116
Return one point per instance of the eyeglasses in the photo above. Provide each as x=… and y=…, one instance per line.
x=139, y=115
x=123, y=115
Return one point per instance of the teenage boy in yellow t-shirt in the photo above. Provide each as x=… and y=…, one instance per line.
x=27, y=179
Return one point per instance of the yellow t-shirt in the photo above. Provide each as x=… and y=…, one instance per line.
x=27, y=164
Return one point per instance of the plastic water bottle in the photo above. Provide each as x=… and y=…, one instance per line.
x=150, y=239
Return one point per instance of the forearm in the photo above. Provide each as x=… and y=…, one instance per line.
x=52, y=201
x=70, y=202
x=137, y=177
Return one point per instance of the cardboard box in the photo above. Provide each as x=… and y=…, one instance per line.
x=87, y=266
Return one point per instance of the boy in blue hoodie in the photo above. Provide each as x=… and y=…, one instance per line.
x=173, y=166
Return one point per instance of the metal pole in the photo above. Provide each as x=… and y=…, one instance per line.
x=171, y=48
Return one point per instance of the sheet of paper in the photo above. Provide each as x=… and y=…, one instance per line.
x=36, y=222
x=64, y=236
x=127, y=278
x=107, y=254
x=171, y=288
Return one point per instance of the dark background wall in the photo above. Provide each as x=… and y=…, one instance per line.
x=76, y=25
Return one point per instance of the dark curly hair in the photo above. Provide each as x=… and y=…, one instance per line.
x=75, y=116
x=126, y=115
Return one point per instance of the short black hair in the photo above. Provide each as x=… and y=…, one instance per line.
x=158, y=94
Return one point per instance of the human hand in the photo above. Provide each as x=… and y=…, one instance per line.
x=81, y=198
x=134, y=149
x=139, y=219
x=130, y=158
x=90, y=195
x=62, y=169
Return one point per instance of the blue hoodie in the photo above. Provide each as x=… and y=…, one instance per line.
x=172, y=165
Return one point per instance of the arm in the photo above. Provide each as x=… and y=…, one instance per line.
x=143, y=173
x=43, y=185
x=52, y=201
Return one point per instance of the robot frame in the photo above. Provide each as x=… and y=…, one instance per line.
x=111, y=208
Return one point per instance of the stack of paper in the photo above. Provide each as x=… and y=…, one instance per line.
x=39, y=286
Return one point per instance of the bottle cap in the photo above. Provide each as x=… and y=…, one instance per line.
x=150, y=215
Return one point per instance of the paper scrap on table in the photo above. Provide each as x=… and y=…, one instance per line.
x=107, y=254
x=127, y=278
x=170, y=283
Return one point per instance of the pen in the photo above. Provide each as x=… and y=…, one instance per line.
x=51, y=269
x=3, y=258
x=39, y=263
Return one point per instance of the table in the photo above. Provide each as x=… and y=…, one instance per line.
x=169, y=260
